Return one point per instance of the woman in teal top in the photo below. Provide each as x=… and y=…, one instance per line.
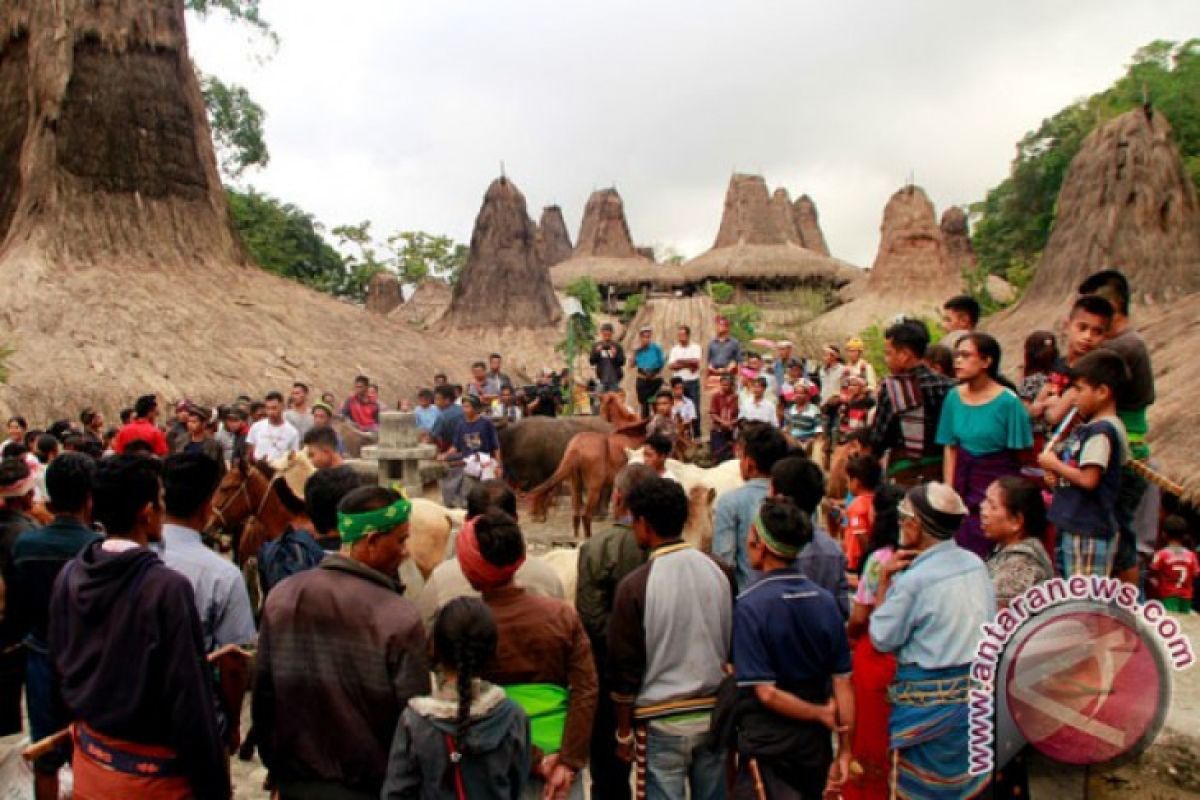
x=984, y=427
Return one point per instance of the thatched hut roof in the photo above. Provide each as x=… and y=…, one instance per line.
x=384, y=293
x=956, y=233
x=623, y=273
x=504, y=283
x=604, y=231
x=776, y=262
x=1128, y=202
x=749, y=216
x=427, y=304
x=554, y=243
x=912, y=273
x=785, y=219
x=808, y=225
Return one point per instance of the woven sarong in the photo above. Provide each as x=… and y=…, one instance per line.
x=928, y=728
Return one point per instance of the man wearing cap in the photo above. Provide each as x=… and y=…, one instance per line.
x=232, y=436
x=143, y=428
x=931, y=602
x=543, y=661
x=859, y=366
x=608, y=359
x=649, y=360
x=340, y=653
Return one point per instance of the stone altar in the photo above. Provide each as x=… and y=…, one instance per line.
x=400, y=451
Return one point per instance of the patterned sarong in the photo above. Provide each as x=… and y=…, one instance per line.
x=929, y=727
x=106, y=767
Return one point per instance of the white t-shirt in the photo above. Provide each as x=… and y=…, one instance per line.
x=273, y=441
x=681, y=353
x=759, y=412
x=684, y=410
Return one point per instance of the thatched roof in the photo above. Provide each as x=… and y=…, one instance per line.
x=554, y=243
x=625, y=273
x=777, y=262
x=604, y=231
x=384, y=293
x=749, y=216
x=504, y=283
x=785, y=220
x=428, y=303
x=1128, y=202
x=957, y=235
x=912, y=273
x=808, y=225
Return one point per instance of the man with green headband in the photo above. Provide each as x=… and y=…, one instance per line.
x=792, y=657
x=340, y=653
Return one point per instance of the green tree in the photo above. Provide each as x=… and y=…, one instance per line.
x=363, y=260
x=418, y=255
x=237, y=126
x=287, y=240
x=1014, y=220
x=245, y=11
x=720, y=292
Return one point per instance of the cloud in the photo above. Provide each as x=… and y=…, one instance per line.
x=402, y=112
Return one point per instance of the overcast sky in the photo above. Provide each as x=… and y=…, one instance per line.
x=401, y=112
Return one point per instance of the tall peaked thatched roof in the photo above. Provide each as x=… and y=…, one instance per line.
x=604, y=231
x=781, y=208
x=912, y=272
x=957, y=235
x=606, y=253
x=504, y=283
x=808, y=225
x=1128, y=202
x=554, y=242
x=758, y=241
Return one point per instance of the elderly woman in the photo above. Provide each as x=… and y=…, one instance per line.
x=932, y=599
x=1014, y=519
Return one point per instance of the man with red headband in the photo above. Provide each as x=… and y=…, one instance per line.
x=544, y=660
x=340, y=653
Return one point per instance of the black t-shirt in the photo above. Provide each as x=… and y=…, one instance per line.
x=548, y=398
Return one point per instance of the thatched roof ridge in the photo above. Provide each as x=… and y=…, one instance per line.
x=604, y=231
x=620, y=272
x=769, y=262
x=749, y=216
x=808, y=225
x=785, y=220
x=554, y=242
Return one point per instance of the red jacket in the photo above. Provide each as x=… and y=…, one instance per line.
x=144, y=430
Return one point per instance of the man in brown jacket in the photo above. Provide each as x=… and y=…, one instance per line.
x=340, y=653
x=543, y=661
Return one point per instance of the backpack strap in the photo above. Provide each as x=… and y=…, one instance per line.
x=455, y=758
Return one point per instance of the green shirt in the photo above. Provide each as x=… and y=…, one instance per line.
x=1000, y=424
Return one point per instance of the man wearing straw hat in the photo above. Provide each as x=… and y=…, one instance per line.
x=340, y=652
x=933, y=599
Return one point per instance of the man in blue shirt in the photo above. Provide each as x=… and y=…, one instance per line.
x=445, y=430
x=38, y=557
x=649, y=360
x=790, y=649
x=821, y=559
x=222, y=602
x=760, y=447
x=426, y=412
x=476, y=446
x=932, y=601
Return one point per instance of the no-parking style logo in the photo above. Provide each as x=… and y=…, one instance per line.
x=1077, y=668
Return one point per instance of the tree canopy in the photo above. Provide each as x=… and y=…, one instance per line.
x=1014, y=221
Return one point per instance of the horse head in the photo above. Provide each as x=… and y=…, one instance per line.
x=615, y=412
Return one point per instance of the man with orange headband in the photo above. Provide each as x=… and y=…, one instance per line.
x=340, y=653
x=544, y=660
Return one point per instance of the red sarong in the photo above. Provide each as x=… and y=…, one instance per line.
x=871, y=767
x=105, y=767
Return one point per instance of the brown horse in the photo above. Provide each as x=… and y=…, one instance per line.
x=256, y=497
x=591, y=462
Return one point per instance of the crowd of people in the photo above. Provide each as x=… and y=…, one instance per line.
x=821, y=649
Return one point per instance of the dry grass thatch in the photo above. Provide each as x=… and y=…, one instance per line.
x=553, y=242
x=749, y=216
x=957, y=236
x=785, y=263
x=912, y=273
x=808, y=225
x=428, y=303
x=604, y=231
x=623, y=273
x=384, y=293
x=1128, y=202
x=504, y=283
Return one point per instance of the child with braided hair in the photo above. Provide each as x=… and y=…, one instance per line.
x=467, y=739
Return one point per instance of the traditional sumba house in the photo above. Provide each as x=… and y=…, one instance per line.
x=759, y=249
x=123, y=274
x=605, y=252
x=912, y=273
x=384, y=293
x=504, y=283
x=553, y=241
x=427, y=304
x=1129, y=203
